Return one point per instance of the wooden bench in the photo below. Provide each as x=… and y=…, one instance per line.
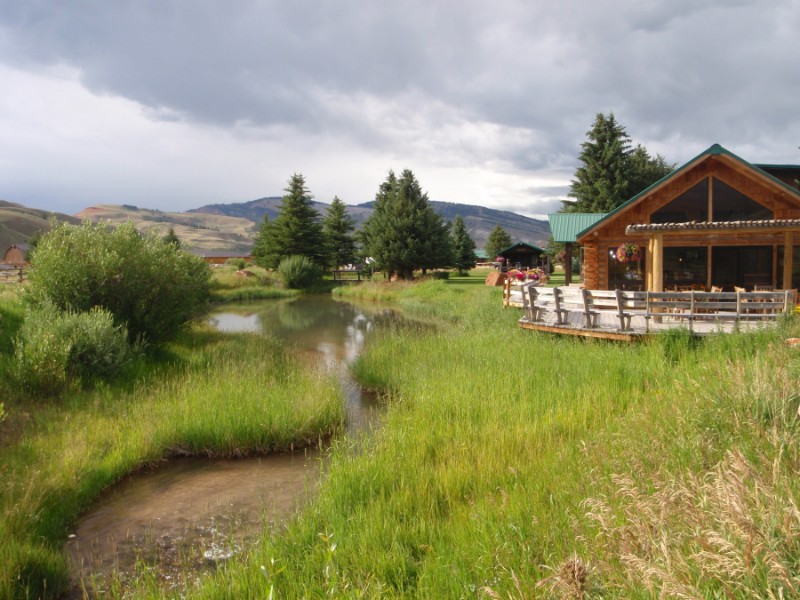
x=539, y=301
x=653, y=307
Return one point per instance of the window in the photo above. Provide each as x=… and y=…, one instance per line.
x=743, y=266
x=685, y=267
x=692, y=205
x=731, y=205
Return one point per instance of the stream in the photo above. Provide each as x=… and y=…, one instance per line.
x=184, y=518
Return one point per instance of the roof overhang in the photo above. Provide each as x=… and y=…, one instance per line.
x=716, y=227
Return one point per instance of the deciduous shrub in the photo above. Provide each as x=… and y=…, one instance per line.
x=298, y=272
x=56, y=348
x=149, y=286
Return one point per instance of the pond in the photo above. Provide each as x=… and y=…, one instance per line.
x=186, y=517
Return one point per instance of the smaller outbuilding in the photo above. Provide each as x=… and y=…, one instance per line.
x=523, y=256
x=14, y=256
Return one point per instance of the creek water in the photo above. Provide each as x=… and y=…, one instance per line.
x=177, y=521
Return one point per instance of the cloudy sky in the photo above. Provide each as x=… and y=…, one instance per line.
x=175, y=104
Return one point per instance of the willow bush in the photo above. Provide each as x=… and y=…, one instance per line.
x=150, y=286
x=55, y=348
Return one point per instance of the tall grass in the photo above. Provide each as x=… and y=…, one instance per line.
x=498, y=446
x=226, y=396
x=513, y=464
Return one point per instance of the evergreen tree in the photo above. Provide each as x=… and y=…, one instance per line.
x=463, y=247
x=497, y=241
x=644, y=170
x=601, y=182
x=261, y=246
x=171, y=238
x=404, y=233
x=338, y=227
x=610, y=172
x=297, y=230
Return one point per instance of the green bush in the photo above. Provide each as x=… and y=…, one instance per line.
x=55, y=348
x=441, y=274
x=298, y=272
x=150, y=286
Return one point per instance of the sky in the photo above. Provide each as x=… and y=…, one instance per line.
x=173, y=104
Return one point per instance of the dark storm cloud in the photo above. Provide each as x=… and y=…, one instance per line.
x=469, y=83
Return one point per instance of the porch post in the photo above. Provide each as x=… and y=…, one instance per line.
x=648, y=265
x=788, y=255
x=658, y=263
x=568, y=263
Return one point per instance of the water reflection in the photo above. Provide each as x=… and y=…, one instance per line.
x=337, y=330
x=187, y=516
x=321, y=328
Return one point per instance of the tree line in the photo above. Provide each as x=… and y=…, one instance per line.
x=404, y=233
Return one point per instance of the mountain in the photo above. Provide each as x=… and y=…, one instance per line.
x=202, y=233
x=18, y=223
x=479, y=220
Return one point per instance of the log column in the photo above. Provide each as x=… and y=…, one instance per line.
x=567, y=263
x=788, y=258
x=657, y=246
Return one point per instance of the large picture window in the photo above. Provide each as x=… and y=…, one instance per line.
x=685, y=267
x=692, y=205
x=743, y=266
x=729, y=204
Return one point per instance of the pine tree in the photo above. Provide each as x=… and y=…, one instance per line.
x=261, y=246
x=404, y=233
x=463, y=247
x=171, y=238
x=644, y=170
x=610, y=172
x=338, y=227
x=297, y=230
x=497, y=241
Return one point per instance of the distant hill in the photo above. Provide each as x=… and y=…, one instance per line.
x=479, y=220
x=18, y=223
x=201, y=233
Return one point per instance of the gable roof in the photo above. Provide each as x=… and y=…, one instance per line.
x=525, y=244
x=565, y=227
x=713, y=150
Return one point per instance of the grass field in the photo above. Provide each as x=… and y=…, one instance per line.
x=511, y=464
x=518, y=465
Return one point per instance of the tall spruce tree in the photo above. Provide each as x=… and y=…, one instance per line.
x=404, y=233
x=463, y=247
x=338, y=227
x=497, y=241
x=261, y=246
x=611, y=172
x=297, y=230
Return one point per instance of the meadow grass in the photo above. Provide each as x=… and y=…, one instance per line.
x=513, y=464
x=510, y=464
x=209, y=394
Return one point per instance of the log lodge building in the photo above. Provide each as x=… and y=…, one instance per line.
x=717, y=221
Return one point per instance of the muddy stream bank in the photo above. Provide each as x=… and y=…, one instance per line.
x=183, y=519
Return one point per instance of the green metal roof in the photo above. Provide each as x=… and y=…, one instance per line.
x=713, y=150
x=526, y=244
x=566, y=226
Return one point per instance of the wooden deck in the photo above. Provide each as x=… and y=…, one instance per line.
x=633, y=316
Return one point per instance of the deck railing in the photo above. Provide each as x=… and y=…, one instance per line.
x=626, y=311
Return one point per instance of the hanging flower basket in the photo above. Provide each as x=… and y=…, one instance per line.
x=629, y=253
